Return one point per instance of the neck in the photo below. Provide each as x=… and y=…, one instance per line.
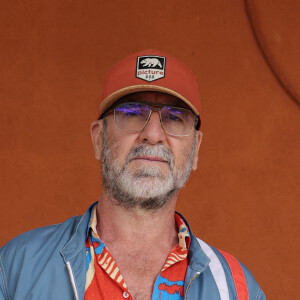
x=135, y=226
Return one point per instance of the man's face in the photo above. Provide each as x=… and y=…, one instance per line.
x=145, y=169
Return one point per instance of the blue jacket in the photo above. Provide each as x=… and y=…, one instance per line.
x=50, y=263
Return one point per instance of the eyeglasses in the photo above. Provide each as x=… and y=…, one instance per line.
x=134, y=116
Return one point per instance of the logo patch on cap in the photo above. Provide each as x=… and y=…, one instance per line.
x=151, y=67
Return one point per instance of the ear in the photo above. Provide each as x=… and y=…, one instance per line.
x=96, y=134
x=198, y=143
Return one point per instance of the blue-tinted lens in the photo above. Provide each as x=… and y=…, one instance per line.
x=129, y=110
x=176, y=120
x=131, y=116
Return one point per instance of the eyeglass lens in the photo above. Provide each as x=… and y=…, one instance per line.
x=134, y=116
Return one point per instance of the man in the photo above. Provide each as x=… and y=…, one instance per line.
x=132, y=244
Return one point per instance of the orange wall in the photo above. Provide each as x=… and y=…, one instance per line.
x=244, y=197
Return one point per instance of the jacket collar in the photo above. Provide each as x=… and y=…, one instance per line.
x=198, y=260
x=78, y=236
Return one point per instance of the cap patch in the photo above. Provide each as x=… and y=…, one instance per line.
x=150, y=67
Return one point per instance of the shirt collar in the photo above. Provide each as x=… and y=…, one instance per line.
x=92, y=226
x=184, y=237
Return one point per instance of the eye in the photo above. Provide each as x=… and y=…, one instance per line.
x=175, y=115
x=176, y=118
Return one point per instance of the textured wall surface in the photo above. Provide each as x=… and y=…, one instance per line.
x=244, y=197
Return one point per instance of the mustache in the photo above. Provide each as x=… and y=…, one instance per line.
x=147, y=150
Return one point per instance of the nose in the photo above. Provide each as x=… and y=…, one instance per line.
x=153, y=132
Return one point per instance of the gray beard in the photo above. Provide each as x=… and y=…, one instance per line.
x=148, y=188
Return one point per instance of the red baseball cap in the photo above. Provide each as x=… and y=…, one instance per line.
x=150, y=70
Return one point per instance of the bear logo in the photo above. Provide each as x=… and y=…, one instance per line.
x=151, y=62
x=150, y=67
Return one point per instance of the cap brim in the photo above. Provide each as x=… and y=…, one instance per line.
x=109, y=100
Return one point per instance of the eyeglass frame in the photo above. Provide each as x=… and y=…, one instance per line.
x=153, y=107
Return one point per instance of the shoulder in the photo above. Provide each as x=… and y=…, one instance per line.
x=27, y=257
x=47, y=240
x=30, y=260
x=221, y=271
x=40, y=244
x=56, y=235
x=224, y=266
x=40, y=236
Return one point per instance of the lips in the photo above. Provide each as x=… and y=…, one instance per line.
x=151, y=158
x=150, y=154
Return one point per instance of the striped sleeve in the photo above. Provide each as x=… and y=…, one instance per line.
x=233, y=279
x=217, y=270
x=238, y=276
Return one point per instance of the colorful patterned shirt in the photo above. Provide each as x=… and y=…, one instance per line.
x=105, y=281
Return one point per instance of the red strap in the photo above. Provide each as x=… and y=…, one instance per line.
x=238, y=277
